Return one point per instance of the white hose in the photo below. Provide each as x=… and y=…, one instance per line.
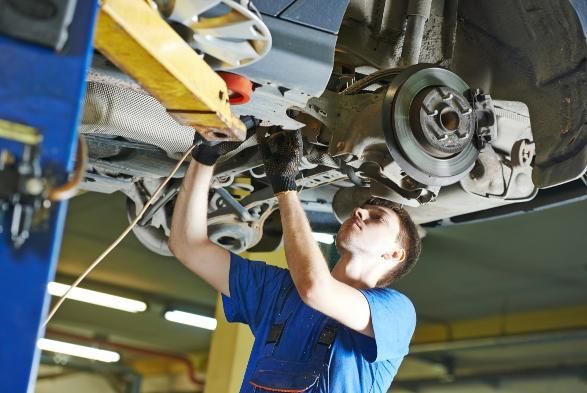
x=118, y=239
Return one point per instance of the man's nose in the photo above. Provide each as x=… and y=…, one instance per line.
x=359, y=213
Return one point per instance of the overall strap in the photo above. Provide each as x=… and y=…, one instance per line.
x=325, y=342
x=284, y=307
x=281, y=305
x=275, y=374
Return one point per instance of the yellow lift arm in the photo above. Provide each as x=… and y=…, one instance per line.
x=132, y=35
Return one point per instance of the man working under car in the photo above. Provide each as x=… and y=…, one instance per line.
x=315, y=330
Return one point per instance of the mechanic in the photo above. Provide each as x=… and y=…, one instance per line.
x=315, y=330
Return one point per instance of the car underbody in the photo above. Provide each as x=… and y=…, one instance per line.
x=447, y=107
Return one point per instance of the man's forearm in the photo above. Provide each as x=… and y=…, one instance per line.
x=306, y=263
x=189, y=223
x=189, y=230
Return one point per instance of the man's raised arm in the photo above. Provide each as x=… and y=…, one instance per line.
x=282, y=152
x=189, y=230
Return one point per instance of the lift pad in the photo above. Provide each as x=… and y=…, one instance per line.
x=135, y=37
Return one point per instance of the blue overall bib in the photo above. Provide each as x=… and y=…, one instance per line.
x=274, y=371
x=296, y=355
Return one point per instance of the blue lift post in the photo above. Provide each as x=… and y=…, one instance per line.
x=42, y=82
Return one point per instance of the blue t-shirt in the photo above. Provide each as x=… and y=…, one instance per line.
x=359, y=363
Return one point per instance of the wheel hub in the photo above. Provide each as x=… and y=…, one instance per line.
x=442, y=121
x=431, y=125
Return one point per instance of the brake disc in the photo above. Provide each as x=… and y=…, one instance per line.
x=429, y=130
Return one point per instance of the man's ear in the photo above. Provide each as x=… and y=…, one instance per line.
x=396, y=255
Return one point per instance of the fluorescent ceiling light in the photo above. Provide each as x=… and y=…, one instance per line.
x=191, y=319
x=98, y=298
x=78, y=350
x=325, y=238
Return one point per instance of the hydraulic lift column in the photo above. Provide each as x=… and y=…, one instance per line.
x=45, y=47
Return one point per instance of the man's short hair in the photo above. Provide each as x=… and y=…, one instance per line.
x=408, y=238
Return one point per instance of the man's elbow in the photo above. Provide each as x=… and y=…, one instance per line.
x=175, y=246
x=178, y=247
x=181, y=248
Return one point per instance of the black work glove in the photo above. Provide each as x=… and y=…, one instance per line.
x=206, y=153
x=282, y=152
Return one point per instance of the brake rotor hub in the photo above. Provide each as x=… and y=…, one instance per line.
x=430, y=129
x=442, y=121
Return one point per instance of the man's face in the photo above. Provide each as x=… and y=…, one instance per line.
x=370, y=229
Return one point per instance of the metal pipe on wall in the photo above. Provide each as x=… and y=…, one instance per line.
x=491, y=342
x=133, y=378
x=498, y=377
x=190, y=369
